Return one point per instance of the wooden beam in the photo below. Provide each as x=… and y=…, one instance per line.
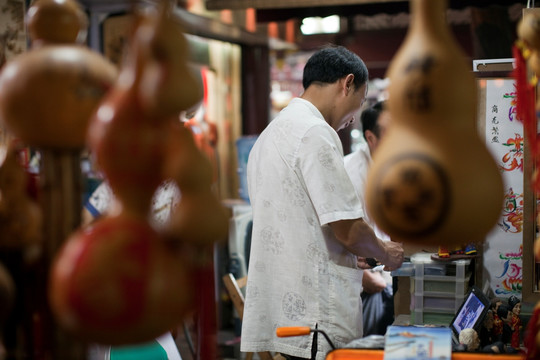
x=272, y=4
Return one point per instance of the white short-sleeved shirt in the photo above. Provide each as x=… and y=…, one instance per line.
x=357, y=165
x=299, y=274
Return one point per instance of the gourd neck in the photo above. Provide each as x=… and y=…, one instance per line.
x=428, y=14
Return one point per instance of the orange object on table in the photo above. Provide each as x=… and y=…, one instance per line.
x=377, y=354
x=369, y=354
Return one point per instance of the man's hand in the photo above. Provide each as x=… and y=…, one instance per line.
x=362, y=263
x=394, y=256
x=358, y=237
x=373, y=282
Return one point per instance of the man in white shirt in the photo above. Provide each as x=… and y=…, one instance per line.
x=309, y=237
x=377, y=294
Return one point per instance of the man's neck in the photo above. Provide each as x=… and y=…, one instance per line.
x=323, y=98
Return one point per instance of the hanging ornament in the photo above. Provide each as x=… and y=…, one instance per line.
x=432, y=179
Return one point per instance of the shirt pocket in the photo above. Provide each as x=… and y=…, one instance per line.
x=344, y=304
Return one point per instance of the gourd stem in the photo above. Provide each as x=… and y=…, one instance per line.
x=428, y=14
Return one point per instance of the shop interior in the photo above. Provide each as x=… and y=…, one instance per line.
x=246, y=58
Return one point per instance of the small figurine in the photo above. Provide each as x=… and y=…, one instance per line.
x=514, y=304
x=504, y=313
x=487, y=336
x=469, y=338
x=497, y=322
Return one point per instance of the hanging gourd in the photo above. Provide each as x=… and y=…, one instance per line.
x=146, y=283
x=116, y=282
x=432, y=179
x=199, y=219
x=47, y=94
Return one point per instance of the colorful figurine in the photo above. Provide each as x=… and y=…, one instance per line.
x=505, y=315
x=486, y=331
x=497, y=322
x=514, y=304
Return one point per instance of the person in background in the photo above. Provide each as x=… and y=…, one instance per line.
x=377, y=293
x=309, y=238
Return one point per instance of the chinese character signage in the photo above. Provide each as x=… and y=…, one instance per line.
x=504, y=139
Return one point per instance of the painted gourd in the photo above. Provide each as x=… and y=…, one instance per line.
x=117, y=282
x=432, y=179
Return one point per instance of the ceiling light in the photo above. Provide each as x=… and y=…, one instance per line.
x=319, y=25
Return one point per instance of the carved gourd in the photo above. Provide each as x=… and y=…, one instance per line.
x=432, y=178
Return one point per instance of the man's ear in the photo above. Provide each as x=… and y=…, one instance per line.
x=349, y=82
x=371, y=138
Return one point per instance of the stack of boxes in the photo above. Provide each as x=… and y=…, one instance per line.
x=437, y=289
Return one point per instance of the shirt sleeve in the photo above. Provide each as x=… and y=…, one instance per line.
x=320, y=163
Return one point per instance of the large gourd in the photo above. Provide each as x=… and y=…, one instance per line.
x=432, y=179
x=121, y=281
x=47, y=96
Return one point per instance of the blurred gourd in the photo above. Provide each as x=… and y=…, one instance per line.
x=145, y=280
x=116, y=282
x=168, y=84
x=56, y=21
x=432, y=179
x=154, y=85
x=528, y=29
x=47, y=96
x=48, y=93
x=199, y=218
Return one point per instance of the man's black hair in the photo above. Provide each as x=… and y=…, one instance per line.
x=332, y=63
x=370, y=116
